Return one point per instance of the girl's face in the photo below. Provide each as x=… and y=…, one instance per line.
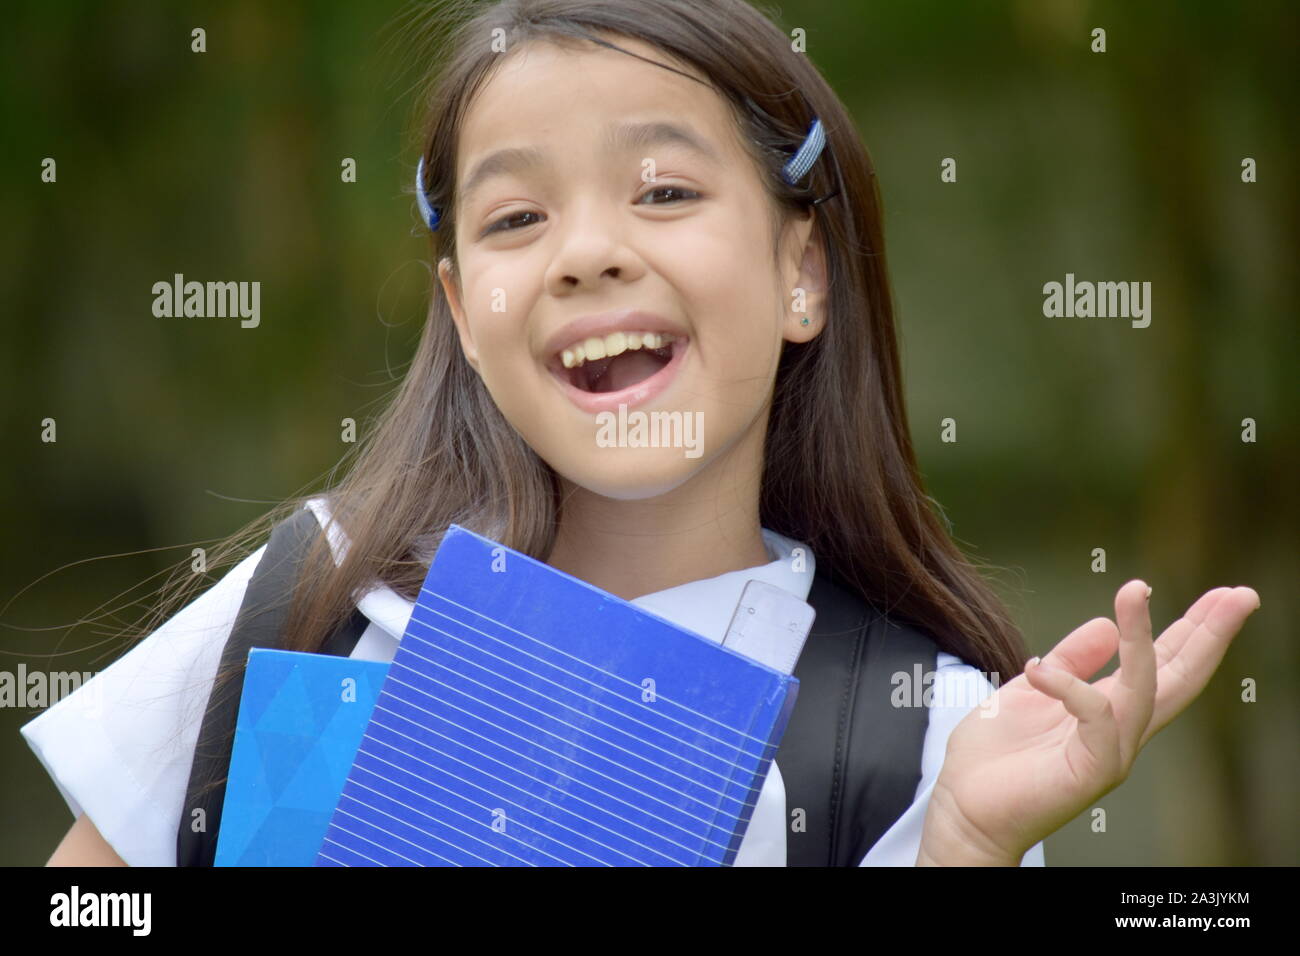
x=600, y=189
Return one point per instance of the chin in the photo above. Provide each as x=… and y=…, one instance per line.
x=632, y=474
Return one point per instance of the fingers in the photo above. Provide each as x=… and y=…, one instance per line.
x=1175, y=635
x=1086, y=649
x=1134, y=692
x=1097, y=729
x=1200, y=639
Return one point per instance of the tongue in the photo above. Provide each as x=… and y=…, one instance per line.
x=626, y=369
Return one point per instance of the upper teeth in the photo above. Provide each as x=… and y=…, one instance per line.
x=612, y=344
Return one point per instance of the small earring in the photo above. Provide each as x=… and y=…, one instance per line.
x=805, y=321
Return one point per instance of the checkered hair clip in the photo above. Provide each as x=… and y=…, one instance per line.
x=806, y=156
x=802, y=161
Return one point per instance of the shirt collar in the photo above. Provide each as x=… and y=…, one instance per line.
x=704, y=606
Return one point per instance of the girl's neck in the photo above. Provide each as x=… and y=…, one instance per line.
x=705, y=527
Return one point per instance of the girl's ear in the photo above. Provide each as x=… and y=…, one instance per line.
x=451, y=287
x=805, y=315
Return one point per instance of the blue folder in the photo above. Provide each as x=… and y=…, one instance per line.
x=301, y=717
x=531, y=719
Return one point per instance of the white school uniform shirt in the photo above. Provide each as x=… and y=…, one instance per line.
x=119, y=748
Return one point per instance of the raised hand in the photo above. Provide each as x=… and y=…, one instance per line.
x=1019, y=767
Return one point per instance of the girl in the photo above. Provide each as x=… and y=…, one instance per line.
x=597, y=174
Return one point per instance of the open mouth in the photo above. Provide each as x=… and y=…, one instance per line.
x=637, y=360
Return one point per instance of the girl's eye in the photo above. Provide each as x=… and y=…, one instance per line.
x=499, y=225
x=688, y=193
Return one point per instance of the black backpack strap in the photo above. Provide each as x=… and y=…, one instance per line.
x=258, y=623
x=849, y=759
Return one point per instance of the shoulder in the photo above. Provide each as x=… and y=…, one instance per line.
x=958, y=684
x=119, y=747
x=957, y=688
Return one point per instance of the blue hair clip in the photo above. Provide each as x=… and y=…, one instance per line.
x=807, y=154
x=422, y=199
x=794, y=170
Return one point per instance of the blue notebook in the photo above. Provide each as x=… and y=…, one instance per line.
x=531, y=719
x=301, y=717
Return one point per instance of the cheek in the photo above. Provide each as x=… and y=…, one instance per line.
x=738, y=321
x=495, y=311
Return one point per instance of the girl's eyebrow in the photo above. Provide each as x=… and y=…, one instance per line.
x=619, y=137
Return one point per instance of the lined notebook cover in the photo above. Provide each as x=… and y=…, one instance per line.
x=531, y=719
x=301, y=717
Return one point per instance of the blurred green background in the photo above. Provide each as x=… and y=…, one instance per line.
x=1073, y=434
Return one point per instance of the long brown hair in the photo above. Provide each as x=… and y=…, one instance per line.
x=840, y=473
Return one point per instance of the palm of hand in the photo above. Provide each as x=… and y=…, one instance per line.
x=1047, y=744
